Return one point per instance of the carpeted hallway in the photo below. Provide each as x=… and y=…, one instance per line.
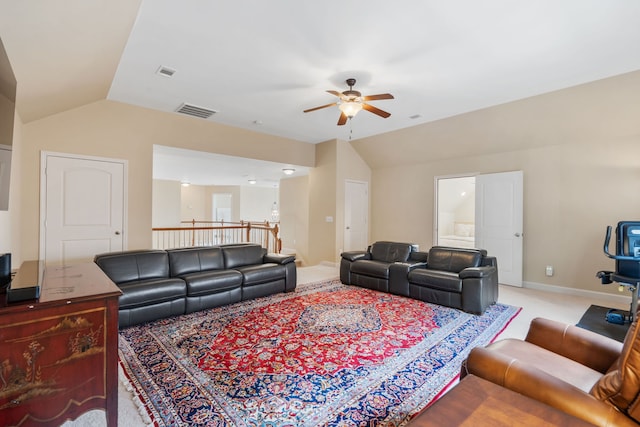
x=565, y=308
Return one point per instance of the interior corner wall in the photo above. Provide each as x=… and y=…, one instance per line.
x=294, y=216
x=116, y=130
x=578, y=148
x=322, y=204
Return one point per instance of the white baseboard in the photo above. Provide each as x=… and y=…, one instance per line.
x=329, y=264
x=623, y=298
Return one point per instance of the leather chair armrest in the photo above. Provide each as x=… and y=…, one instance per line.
x=417, y=256
x=355, y=255
x=585, y=347
x=279, y=258
x=536, y=384
x=477, y=272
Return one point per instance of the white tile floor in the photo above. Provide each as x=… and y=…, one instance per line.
x=534, y=303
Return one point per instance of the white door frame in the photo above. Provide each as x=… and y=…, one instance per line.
x=436, y=179
x=44, y=155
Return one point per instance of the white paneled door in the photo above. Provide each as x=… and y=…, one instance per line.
x=499, y=225
x=82, y=208
x=356, y=216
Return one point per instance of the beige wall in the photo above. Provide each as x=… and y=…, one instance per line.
x=294, y=215
x=322, y=204
x=166, y=203
x=350, y=166
x=579, y=149
x=111, y=129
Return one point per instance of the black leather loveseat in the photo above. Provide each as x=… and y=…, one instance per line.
x=157, y=283
x=466, y=279
x=375, y=267
x=454, y=277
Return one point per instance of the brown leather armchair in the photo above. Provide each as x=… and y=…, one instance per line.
x=584, y=374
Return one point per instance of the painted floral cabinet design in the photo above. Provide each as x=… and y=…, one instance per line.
x=58, y=356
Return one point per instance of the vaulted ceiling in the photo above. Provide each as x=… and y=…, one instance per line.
x=260, y=64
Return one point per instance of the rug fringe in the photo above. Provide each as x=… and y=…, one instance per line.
x=140, y=406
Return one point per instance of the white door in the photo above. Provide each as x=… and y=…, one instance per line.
x=82, y=208
x=499, y=222
x=356, y=216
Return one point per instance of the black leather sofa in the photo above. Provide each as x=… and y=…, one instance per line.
x=157, y=283
x=374, y=267
x=466, y=279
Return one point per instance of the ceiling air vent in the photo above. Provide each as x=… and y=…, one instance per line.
x=166, y=71
x=192, y=110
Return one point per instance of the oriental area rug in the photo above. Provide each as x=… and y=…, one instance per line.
x=325, y=355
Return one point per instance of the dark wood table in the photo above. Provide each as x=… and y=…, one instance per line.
x=59, y=353
x=477, y=402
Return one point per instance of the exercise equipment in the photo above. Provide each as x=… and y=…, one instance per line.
x=627, y=272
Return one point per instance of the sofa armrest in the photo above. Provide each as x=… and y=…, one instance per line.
x=536, y=384
x=585, y=347
x=477, y=272
x=417, y=256
x=398, y=276
x=279, y=258
x=355, y=255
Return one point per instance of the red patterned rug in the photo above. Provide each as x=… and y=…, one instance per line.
x=327, y=354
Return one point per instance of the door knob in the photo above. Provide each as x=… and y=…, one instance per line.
x=517, y=234
x=117, y=233
x=348, y=228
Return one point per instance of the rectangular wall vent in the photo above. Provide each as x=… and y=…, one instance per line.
x=166, y=71
x=192, y=110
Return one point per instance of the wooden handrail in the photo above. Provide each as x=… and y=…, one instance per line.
x=191, y=233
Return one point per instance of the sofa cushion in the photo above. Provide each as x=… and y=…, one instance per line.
x=190, y=260
x=371, y=268
x=130, y=266
x=453, y=260
x=152, y=291
x=390, y=251
x=212, y=281
x=261, y=273
x=436, y=279
x=620, y=386
x=236, y=256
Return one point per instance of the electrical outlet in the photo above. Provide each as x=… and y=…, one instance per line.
x=549, y=270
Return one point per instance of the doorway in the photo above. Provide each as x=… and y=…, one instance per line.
x=82, y=207
x=455, y=211
x=483, y=211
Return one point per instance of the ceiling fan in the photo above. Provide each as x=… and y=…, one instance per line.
x=351, y=101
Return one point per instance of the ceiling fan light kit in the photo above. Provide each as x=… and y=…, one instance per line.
x=351, y=102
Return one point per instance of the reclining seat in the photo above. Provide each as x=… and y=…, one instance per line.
x=148, y=293
x=577, y=371
x=262, y=273
x=466, y=279
x=372, y=268
x=208, y=283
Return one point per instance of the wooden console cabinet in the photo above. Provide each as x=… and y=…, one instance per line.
x=59, y=353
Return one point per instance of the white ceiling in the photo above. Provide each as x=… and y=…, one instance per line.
x=199, y=168
x=260, y=64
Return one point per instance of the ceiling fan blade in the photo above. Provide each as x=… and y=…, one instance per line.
x=318, y=108
x=336, y=93
x=376, y=97
x=375, y=110
x=343, y=119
